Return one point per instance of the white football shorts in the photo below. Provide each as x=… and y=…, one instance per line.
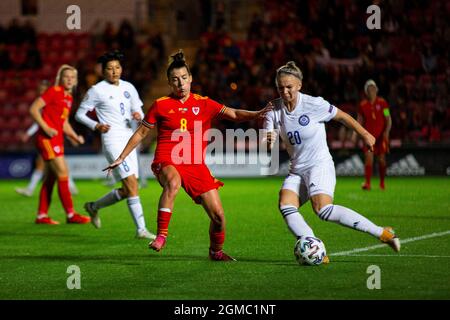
x=318, y=179
x=128, y=167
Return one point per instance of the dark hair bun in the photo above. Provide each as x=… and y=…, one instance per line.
x=178, y=57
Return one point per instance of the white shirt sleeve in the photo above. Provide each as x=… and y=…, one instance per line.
x=32, y=129
x=325, y=110
x=136, y=102
x=269, y=121
x=88, y=104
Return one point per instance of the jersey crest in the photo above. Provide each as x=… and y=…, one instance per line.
x=196, y=110
x=126, y=94
x=303, y=120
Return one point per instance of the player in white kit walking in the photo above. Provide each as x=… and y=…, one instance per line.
x=299, y=120
x=117, y=104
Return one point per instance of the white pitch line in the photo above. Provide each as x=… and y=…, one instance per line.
x=398, y=255
x=427, y=236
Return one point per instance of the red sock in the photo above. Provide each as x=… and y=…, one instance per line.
x=164, y=216
x=216, y=240
x=368, y=173
x=64, y=195
x=382, y=169
x=45, y=196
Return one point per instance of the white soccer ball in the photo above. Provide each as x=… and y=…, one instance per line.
x=310, y=251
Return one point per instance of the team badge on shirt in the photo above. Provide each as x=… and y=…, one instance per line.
x=196, y=110
x=303, y=120
x=126, y=94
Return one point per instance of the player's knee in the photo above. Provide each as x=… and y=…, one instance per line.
x=317, y=206
x=218, y=216
x=173, y=186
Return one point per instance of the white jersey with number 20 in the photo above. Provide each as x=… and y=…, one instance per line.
x=303, y=129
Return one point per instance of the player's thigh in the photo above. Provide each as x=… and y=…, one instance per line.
x=59, y=167
x=169, y=177
x=290, y=191
x=321, y=179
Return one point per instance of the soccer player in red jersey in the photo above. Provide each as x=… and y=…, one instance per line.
x=188, y=115
x=51, y=111
x=374, y=115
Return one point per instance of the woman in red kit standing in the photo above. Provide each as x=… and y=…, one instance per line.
x=51, y=112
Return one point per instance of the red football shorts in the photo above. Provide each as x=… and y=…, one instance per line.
x=196, y=179
x=381, y=146
x=50, y=148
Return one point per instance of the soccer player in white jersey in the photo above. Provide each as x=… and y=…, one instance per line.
x=117, y=104
x=299, y=119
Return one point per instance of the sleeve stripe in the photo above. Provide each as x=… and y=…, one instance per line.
x=221, y=112
x=148, y=124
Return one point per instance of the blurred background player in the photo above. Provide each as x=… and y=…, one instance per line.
x=51, y=111
x=117, y=105
x=300, y=120
x=374, y=115
x=39, y=165
x=181, y=113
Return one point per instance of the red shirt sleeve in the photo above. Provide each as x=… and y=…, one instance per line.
x=150, y=118
x=385, y=104
x=216, y=109
x=48, y=95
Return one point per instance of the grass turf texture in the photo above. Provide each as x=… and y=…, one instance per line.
x=34, y=258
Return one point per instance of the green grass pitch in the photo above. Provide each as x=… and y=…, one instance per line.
x=34, y=258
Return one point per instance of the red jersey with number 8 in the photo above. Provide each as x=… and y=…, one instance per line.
x=182, y=126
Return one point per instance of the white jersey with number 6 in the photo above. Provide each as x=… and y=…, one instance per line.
x=303, y=129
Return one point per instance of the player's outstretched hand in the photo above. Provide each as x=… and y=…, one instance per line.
x=265, y=110
x=113, y=165
x=369, y=141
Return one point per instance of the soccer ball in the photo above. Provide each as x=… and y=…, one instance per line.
x=310, y=251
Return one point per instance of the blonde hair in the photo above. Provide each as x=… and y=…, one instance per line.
x=289, y=68
x=60, y=72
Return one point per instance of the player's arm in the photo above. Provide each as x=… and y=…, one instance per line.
x=239, y=115
x=360, y=120
x=74, y=138
x=24, y=137
x=86, y=106
x=141, y=132
x=35, y=111
x=351, y=123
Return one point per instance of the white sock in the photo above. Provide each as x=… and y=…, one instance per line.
x=135, y=207
x=295, y=221
x=107, y=200
x=349, y=218
x=34, y=180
